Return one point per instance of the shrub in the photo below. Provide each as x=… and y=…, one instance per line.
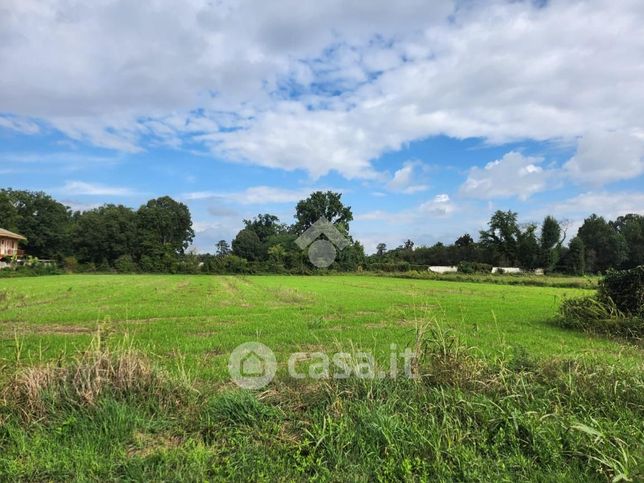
x=70, y=264
x=474, y=267
x=390, y=267
x=617, y=308
x=625, y=288
x=125, y=264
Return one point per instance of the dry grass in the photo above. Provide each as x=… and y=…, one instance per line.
x=122, y=372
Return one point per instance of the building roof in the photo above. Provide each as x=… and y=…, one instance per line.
x=9, y=234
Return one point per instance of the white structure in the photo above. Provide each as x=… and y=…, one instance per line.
x=507, y=269
x=443, y=269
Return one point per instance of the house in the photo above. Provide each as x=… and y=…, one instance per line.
x=9, y=243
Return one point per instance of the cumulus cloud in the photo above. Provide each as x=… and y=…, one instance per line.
x=439, y=206
x=603, y=157
x=405, y=180
x=610, y=205
x=512, y=175
x=324, y=86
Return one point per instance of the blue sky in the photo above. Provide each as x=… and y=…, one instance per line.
x=426, y=118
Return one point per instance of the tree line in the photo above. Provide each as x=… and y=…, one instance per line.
x=156, y=238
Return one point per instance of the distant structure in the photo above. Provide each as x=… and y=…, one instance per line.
x=9, y=244
x=452, y=269
x=443, y=269
x=506, y=270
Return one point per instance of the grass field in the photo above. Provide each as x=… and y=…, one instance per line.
x=524, y=398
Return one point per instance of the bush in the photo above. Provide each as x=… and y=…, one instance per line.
x=617, y=308
x=70, y=264
x=125, y=264
x=625, y=288
x=30, y=271
x=390, y=267
x=474, y=267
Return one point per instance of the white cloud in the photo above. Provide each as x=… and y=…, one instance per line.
x=512, y=175
x=405, y=180
x=124, y=75
x=603, y=157
x=255, y=195
x=24, y=126
x=610, y=205
x=76, y=188
x=440, y=206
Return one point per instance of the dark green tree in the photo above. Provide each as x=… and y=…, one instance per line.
x=464, y=241
x=164, y=231
x=105, y=233
x=528, y=248
x=631, y=227
x=322, y=204
x=223, y=248
x=265, y=226
x=550, y=243
x=502, y=237
x=605, y=246
x=248, y=245
x=574, y=261
x=46, y=223
x=381, y=249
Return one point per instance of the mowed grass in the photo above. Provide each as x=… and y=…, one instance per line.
x=501, y=393
x=199, y=320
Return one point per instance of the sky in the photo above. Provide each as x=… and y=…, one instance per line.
x=426, y=116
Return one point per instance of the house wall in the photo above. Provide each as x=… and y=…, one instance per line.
x=8, y=246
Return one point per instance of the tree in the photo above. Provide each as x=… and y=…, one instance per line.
x=322, y=204
x=164, y=228
x=528, y=248
x=605, y=246
x=46, y=223
x=631, y=227
x=223, y=248
x=408, y=246
x=247, y=245
x=105, y=233
x=265, y=226
x=550, y=243
x=574, y=261
x=381, y=249
x=464, y=241
x=502, y=236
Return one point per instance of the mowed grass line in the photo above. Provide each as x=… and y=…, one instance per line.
x=198, y=320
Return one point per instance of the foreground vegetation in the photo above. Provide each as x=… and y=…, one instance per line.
x=115, y=416
x=124, y=377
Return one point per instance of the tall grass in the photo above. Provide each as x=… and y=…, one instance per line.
x=112, y=415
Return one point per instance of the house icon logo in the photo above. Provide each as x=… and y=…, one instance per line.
x=322, y=253
x=252, y=365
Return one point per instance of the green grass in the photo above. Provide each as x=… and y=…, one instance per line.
x=503, y=393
